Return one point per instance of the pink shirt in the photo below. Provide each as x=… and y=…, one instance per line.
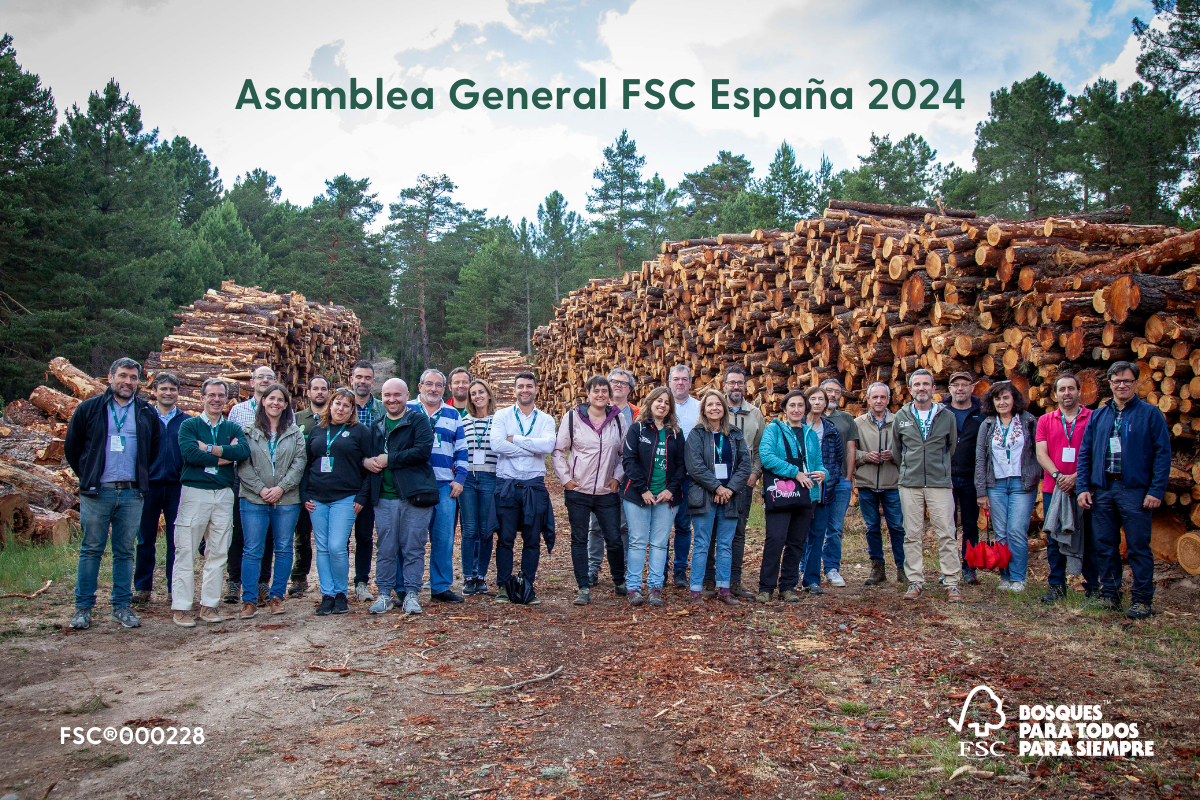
x=1050, y=430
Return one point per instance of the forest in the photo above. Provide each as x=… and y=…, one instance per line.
x=106, y=228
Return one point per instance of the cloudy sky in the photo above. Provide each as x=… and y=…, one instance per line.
x=185, y=63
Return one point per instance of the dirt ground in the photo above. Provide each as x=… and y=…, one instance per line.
x=846, y=695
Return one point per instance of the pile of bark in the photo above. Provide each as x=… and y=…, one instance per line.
x=499, y=368
x=872, y=292
x=228, y=333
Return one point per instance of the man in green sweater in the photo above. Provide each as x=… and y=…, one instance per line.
x=924, y=435
x=209, y=446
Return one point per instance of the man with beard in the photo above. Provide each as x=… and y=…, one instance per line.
x=309, y=418
x=242, y=415
x=368, y=408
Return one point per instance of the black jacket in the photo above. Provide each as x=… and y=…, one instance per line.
x=349, y=478
x=637, y=458
x=962, y=463
x=87, y=441
x=408, y=447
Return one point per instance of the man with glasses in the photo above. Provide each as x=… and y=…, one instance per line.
x=621, y=383
x=1124, y=464
x=831, y=556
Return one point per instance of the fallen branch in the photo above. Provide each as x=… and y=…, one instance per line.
x=343, y=671
x=538, y=679
x=777, y=694
x=26, y=596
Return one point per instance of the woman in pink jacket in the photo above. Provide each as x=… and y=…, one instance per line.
x=587, y=461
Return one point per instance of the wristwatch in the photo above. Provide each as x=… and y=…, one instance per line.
x=1056, y=475
x=208, y=448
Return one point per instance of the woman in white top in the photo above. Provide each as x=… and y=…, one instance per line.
x=475, y=502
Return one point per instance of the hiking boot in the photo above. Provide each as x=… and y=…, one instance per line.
x=878, y=574
x=183, y=619
x=583, y=598
x=1139, y=611
x=697, y=598
x=814, y=588
x=233, y=593
x=635, y=598
x=82, y=620
x=655, y=598
x=1091, y=594
x=276, y=604
x=298, y=587
x=382, y=604
x=1111, y=603
x=141, y=597
x=726, y=597
x=264, y=592
x=501, y=595
x=411, y=606
x=763, y=597
x=210, y=615
x=126, y=617
x=1054, y=594
x=447, y=596
x=362, y=593
x=789, y=596
x=249, y=611
x=741, y=592
x=709, y=590
x=953, y=595
x=969, y=576
x=681, y=581
x=901, y=577
x=340, y=605
x=619, y=589
x=835, y=578
x=326, y=607
x=915, y=590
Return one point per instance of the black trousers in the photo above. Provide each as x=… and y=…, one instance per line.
x=510, y=518
x=783, y=549
x=966, y=507
x=739, y=553
x=237, y=544
x=607, y=508
x=364, y=543
x=303, y=546
x=162, y=500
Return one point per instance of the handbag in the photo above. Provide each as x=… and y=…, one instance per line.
x=988, y=555
x=784, y=494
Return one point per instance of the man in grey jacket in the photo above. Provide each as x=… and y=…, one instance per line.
x=924, y=435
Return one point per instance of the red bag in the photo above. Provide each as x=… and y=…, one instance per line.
x=988, y=555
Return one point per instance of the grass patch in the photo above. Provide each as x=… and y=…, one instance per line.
x=825, y=726
x=87, y=759
x=853, y=708
x=90, y=706
x=26, y=568
x=889, y=773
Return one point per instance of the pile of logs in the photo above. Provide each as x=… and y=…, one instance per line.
x=228, y=333
x=499, y=368
x=872, y=292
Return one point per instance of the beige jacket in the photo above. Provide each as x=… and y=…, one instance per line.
x=878, y=477
x=256, y=472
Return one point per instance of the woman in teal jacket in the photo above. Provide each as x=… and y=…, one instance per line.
x=789, y=469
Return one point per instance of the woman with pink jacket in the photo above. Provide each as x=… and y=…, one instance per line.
x=587, y=461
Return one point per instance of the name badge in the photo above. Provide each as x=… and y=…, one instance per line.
x=1114, y=444
x=326, y=463
x=721, y=471
x=1068, y=455
x=210, y=470
x=116, y=444
x=479, y=458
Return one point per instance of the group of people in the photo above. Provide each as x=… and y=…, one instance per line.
x=255, y=490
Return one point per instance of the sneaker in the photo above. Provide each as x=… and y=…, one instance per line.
x=953, y=595
x=141, y=597
x=326, y=607
x=620, y=590
x=814, y=588
x=210, y=615
x=681, y=582
x=501, y=595
x=183, y=619
x=382, y=604
x=969, y=576
x=635, y=598
x=126, y=617
x=340, y=606
x=789, y=596
x=481, y=587
x=1110, y=603
x=534, y=601
x=82, y=619
x=1004, y=585
x=655, y=598
x=249, y=611
x=411, y=606
x=763, y=597
x=583, y=598
x=727, y=598
x=741, y=592
x=276, y=604
x=1054, y=594
x=298, y=587
x=1016, y=587
x=233, y=593
x=835, y=578
x=915, y=590
x=264, y=592
x=1139, y=611
x=447, y=597
x=362, y=593
x=468, y=587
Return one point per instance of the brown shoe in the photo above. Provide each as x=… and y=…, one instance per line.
x=277, y=605
x=210, y=615
x=741, y=592
x=953, y=595
x=914, y=592
x=183, y=619
x=249, y=611
x=726, y=597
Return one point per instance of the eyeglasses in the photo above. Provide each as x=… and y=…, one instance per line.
x=1121, y=381
x=626, y=384
x=432, y=385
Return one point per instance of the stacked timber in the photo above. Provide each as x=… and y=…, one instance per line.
x=228, y=333
x=499, y=368
x=871, y=292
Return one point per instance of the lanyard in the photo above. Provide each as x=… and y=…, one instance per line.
x=532, y=421
x=720, y=446
x=924, y=424
x=329, y=437
x=1005, y=441
x=478, y=438
x=1117, y=423
x=1070, y=432
x=214, y=429
x=272, y=446
x=120, y=423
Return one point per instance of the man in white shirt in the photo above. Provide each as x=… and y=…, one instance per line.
x=687, y=411
x=522, y=437
x=242, y=415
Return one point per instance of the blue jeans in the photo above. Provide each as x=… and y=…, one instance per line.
x=162, y=500
x=811, y=568
x=120, y=510
x=840, y=503
x=702, y=533
x=332, y=524
x=441, y=542
x=683, y=532
x=649, y=526
x=475, y=506
x=1057, y=561
x=1113, y=507
x=1011, y=507
x=869, y=503
x=257, y=519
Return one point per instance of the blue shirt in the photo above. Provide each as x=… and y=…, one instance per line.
x=120, y=465
x=449, y=456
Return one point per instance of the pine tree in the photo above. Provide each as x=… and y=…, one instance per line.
x=556, y=237
x=789, y=187
x=904, y=172
x=618, y=197
x=713, y=185
x=1170, y=56
x=198, y=182
x=660, y=212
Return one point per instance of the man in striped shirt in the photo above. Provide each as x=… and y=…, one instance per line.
x=449, y=462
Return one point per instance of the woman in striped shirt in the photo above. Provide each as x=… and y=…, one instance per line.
x=475, y=502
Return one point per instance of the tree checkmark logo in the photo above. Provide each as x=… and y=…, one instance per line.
x=985, y=729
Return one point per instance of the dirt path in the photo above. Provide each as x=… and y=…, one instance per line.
x=841, y=696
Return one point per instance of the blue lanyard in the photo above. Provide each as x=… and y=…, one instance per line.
x=330, y=436
x=1004, y=439
x=720, y=446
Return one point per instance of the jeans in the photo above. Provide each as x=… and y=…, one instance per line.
x=120, y=510
x=475, y=506
x=441, y=542
x=1011, y=507
x=966, y=508
x=598, y=547
x=257, y=519
x=706, y=527
x=683, y=532
x=332, y=523
x=237, y=548
x=364, y=543
x=840, y=504
x=738, y=554
x=1057, y=560
x=783, y=548
x=607, y=508
x=510, y=519
x=302, y=564
x=402, y=530
x=869, y=503
x=648, y=526
x=162, y=500
x=1114, y=507
x=811, y=565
